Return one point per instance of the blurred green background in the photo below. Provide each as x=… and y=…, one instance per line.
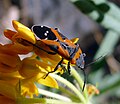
x=95, y=22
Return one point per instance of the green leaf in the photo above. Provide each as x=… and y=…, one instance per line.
x=103, y=7
x=110, y=82
x=85, y=6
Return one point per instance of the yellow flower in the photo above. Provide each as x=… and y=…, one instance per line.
x=22, y=39
x=21, y=75
x=7, y=89
x=34, y=70
x=27, y=88
x=23, y=32
x=9, y=62
x=91, y=89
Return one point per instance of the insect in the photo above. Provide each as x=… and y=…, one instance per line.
x=60, y=44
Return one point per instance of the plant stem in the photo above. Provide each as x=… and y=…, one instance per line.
x=70, y=94
x=53, y=101
x=30, y=100
x=79, y=80
x=71, y=86
x=53, y=95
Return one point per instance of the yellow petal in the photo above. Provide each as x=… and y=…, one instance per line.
x=28, y=88
x=48, y=81
x=91, y=89
x=10, y=75
x=17, y=25
x=9, y=63
x=29, y=68
x=9, y=34
x=9, y=60
x=4, y=49
x=75, y=40
x=17, y=48
x=12, y=78
x=43, y=66
x=8, y=90
x=7, y=69
x=6, y=100
x=26, y=35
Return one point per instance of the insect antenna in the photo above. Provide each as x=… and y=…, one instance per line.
x=94, y=61
x=85, y=79
x=85, y=76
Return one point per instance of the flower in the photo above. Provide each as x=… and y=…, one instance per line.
x=23, y=32
x=9, y=62
x=91, y=89
x=22, y=40
x=18, y=77
x=21, y=75
x=27, y=71
x=35, y=70
x=7, y=89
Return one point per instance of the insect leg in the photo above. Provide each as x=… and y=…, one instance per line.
x=68, y=67
x=55, y=68
x=85, y=79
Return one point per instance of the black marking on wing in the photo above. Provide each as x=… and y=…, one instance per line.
x=43, y=32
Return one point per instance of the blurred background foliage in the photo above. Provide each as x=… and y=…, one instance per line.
x=95, y=22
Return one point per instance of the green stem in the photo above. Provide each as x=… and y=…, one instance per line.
x=79, y=80
x=53, y=101
x=71, y=86
x=70, y=94
x=42, y=101
x=53, y=95
x=30, y=100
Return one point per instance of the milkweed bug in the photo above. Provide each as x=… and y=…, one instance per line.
x=60, y=44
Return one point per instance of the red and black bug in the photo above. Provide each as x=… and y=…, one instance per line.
x=59, y=44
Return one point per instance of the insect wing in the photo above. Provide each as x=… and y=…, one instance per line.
x=62, y=36
x=43, y=32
